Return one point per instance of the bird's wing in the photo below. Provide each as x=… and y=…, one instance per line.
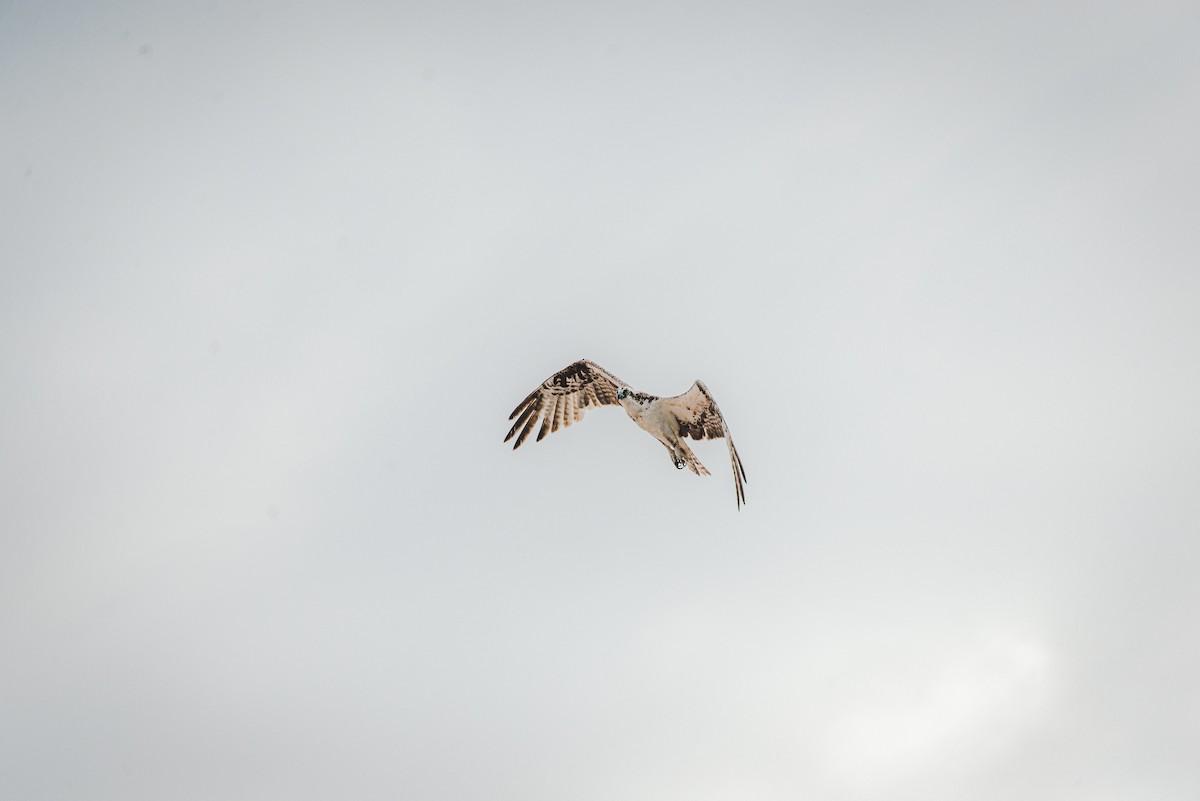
x=563, y=398
x=700, y=418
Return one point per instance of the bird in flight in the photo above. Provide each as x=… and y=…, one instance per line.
x=564, y=397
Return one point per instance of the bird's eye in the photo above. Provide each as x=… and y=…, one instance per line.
x=623, y=393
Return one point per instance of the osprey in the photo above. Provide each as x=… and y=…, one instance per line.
x=563, y=398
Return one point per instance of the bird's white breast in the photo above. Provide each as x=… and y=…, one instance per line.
x=653, y=417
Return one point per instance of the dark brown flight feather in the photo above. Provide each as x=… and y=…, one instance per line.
x=563, y=398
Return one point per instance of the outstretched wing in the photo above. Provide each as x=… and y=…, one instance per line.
x=700, y=418
x=563, y=398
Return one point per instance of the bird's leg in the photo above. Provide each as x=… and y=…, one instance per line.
x=683, y=457
x=675, y=453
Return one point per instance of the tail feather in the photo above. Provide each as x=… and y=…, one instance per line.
x=690, y=460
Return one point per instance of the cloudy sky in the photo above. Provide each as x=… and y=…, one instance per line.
x=272, y=276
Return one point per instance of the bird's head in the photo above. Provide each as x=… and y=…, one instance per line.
x=630, y=399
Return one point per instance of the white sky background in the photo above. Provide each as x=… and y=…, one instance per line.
x=271, y=279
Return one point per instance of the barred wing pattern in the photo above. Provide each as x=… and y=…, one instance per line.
x=563, y=398
x=700, y=418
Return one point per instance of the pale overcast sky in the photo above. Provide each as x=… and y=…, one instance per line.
x=273, y=275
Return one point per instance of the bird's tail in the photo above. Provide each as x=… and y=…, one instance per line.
x=690, y=461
